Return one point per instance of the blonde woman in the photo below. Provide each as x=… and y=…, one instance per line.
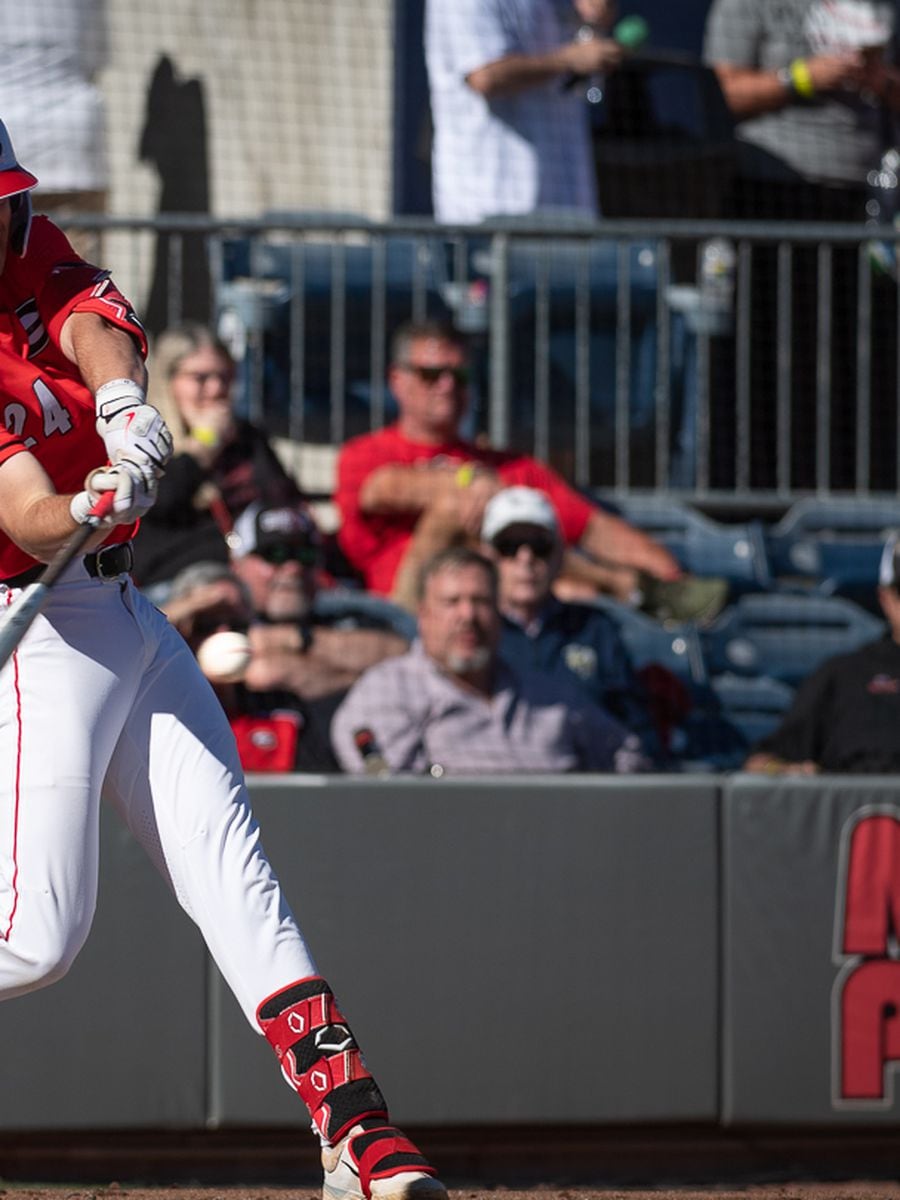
x=221, y=463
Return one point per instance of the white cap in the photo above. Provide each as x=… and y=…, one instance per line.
x=518, y=506
x=887, y=568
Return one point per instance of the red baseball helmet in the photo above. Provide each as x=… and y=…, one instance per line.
x=15, y=184
x=13, y=177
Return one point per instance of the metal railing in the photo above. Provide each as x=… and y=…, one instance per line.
x=736, y=364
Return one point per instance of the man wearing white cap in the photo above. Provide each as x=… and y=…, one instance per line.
x=103, y=695
x=580, y=642
x=450, y=705
x=846, y=715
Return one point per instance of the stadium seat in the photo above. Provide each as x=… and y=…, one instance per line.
x=834, y=544
x=736, y=552
x=357, y=609
x=677, y=648
x=784, y=635
x=754, y=706
x=317, y=295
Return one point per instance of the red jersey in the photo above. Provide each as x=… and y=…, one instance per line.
x=375, y=544
x=44, y=406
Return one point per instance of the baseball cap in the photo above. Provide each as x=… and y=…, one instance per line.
x=259, y=530
x=518, y=506
x=889, y=567
x=13, y=177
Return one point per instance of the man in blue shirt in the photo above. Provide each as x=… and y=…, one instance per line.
x=578, y=641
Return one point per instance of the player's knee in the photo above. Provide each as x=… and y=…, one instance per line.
x=40, y=967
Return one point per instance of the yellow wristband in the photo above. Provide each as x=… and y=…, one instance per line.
x=801, y=78
x=465, y=474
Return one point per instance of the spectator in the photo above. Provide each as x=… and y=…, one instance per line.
x=845, y=716
x=277, y=555
x=812, y=90
x=275, y=730
x=450, y=704
x=407, y=491
x=579, y=642
x=509, y=136
x=51, y=53
x=222, y=463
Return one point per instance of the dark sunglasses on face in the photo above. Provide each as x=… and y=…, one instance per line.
x=433, y=374
x=278, y=553
x=541, y=545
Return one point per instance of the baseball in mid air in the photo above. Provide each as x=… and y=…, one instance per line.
x=224, y=656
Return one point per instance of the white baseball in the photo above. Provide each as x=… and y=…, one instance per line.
x=224, y=656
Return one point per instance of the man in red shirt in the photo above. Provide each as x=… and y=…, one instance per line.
x=411, y=489
x=103, y=694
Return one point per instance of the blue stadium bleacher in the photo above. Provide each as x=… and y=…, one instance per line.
x=784, y=635
x=678, y=649
x=354, y=608
x=833, y=545
x=736, y=552
x=753, y=705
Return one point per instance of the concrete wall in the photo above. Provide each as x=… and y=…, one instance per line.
x=587, y=950
x=297, y=99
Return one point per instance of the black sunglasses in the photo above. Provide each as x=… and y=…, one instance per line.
x=541, y=545
x=433, y=374
x=278, y=553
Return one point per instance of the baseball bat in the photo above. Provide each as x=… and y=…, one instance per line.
x=21, y=615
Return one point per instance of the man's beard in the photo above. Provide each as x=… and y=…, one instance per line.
x=468, y=664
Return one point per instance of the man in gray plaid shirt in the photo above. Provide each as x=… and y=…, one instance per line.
x=449, y=705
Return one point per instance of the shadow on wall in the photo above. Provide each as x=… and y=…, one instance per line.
x=174, y=140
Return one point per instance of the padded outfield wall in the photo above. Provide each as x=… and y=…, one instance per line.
x=713, y=950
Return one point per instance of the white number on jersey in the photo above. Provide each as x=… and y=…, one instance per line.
x=56, y=417
x=14, y=419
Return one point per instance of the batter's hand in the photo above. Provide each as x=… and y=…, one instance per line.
x=134, y=485
x=139, y=435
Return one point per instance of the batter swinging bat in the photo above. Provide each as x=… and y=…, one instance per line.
x=22, y=614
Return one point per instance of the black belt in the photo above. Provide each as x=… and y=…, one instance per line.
x=106, y=563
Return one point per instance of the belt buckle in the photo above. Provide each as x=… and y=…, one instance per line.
x=113, y=561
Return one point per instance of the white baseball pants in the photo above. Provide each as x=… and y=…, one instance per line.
x=103, y=695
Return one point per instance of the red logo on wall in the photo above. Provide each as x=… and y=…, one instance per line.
x=866, y=1009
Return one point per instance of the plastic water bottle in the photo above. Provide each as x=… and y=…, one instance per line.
x=374, y=762
x=718, y=262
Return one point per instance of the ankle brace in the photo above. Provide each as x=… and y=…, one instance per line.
x=319, y=1057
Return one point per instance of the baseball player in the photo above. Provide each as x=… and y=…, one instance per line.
x=103, y=695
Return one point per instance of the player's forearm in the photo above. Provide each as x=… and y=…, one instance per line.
x=44, y=526
x=32, y=514
x=101, y=351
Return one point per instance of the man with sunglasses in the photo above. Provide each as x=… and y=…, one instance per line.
x=277, y=554
x=578, y=642
x=412, y=489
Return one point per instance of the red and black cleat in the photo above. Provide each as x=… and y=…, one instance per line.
x=365, y=1158
x=378, y=1162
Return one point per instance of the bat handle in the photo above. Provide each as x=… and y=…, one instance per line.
x=101, y=509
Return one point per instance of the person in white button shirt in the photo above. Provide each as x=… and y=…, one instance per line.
x=509, y=136
x=450, y=705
